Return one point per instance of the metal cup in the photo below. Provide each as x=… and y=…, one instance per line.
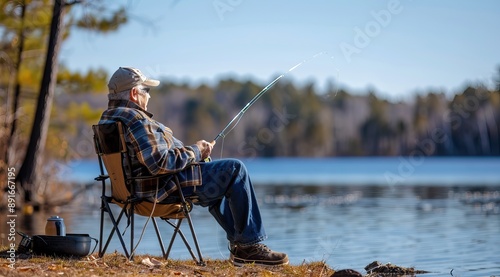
x=55, y=226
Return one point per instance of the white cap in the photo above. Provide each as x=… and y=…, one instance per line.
x=126, y=78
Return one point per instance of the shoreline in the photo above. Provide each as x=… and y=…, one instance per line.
x=146, y=265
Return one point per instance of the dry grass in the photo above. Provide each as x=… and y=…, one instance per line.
x=117, y=265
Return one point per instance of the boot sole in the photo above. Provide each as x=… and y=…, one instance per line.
x=242, y=262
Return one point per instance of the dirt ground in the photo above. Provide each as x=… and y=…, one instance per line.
x=117, y=265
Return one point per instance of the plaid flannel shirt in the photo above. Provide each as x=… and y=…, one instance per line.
x=154, y=150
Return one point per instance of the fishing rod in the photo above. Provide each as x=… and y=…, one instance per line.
x=232, y=124
x=237, y=118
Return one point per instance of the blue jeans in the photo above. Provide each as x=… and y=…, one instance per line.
x=229, y=195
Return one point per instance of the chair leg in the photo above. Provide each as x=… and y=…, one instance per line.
x=158, y=234
x=187, y=206
x=115, y=228
x=132, y=226
x=177, y=230
x=101, y=231
x=105, y=207
x=195, y=239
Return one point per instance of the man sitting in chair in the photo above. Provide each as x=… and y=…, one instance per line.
x=222, y=185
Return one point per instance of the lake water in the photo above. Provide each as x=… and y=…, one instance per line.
x=434, y=214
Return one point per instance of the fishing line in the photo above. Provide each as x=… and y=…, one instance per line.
x=232, y=124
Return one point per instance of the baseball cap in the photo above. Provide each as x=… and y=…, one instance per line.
x=126, y=78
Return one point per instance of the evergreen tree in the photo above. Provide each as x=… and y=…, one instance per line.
x=24, y=28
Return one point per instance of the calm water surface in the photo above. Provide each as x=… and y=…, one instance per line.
x=434, y=214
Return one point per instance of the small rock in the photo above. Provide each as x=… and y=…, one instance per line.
x=346, y=273
x=372, y=266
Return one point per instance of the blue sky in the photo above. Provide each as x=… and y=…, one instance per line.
x=394, y=47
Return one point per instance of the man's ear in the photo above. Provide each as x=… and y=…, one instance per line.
x=134, y=94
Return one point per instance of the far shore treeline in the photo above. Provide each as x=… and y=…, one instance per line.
x=294, y=120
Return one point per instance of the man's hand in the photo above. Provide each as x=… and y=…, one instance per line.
x=205, y=148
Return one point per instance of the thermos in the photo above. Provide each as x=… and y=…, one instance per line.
x=55, y=226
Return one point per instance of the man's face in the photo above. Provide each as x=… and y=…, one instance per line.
x=143, y=97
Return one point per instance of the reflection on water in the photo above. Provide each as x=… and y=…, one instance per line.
x=434, y=228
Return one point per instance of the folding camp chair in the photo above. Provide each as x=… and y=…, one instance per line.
x=113, y=156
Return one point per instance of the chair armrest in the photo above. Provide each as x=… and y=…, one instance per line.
x=101, y=177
